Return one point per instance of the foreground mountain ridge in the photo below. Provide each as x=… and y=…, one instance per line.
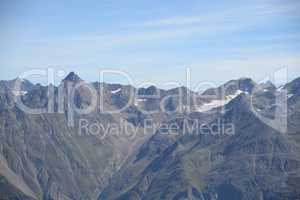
x=43, y=157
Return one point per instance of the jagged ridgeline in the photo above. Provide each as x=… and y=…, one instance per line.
x=237, y=141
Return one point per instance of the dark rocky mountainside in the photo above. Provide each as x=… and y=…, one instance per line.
x=226, y=144
x=257, y=162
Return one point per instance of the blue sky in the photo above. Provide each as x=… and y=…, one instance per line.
x=151, y=40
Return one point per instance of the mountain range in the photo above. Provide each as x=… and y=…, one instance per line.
x=240, y=140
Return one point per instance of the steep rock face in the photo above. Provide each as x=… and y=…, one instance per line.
x=46, y=156
x=293, y=87
x=231, y=87
x=54, y=159
x=23, y=85
x=48, y=153
x=9, y=191
x=256, y=162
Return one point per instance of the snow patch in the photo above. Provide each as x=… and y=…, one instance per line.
x=137, y=101
x=116, y=91
x=213, y=104
x=290, y=95
x=19, y=93
x=280, y=88
x=218, y=102
x=141, y=100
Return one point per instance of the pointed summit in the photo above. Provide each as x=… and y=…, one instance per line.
x=231, y=87
x=18, y=84
x=72, y=77
x=293, y=87
x=267, y=86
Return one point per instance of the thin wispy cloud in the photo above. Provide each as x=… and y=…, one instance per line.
x=240, y=14
x=235, y=30
x=202, y=27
